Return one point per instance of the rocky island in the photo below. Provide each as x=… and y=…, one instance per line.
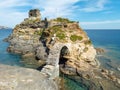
x=60, y=46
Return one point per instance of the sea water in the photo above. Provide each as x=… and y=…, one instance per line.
x=5, y=57
x=109, y=40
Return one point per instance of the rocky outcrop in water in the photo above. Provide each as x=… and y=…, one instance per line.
x=42, y=37
x=57, y=44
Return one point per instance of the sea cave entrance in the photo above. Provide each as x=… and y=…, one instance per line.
x=64, y=54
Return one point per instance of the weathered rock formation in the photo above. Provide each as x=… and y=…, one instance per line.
x=57, y=42
x=16, y=78
x=26, y=36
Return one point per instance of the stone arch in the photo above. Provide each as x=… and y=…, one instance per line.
x=63, y=56
x=54, y=54
x=52, y=64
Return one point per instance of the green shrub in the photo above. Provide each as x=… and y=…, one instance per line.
x=56, y=29
x=88, y=42
x=79, y=38
x=62, y=20
x=38, y=33
x=59, y=19
x=75, y=38
x=61, y=36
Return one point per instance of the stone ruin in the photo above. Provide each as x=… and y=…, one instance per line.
x=35, y=13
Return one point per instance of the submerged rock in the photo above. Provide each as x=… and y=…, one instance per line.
x=100, y=50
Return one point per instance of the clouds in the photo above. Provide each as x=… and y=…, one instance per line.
x=95, y=5
x=56, y=8
x=107, y=24
x=10, y=15
x=65, y=8
x=10, y=9
x=13, y=12
x=11, y=4
x=100, y=22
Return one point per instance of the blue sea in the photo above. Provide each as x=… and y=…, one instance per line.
x=5, y=57
x=109, y=40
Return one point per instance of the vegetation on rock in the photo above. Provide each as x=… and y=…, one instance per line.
x=75, y=38
x=56, y=29
x=61, y=36
x=88, y=42
x=38, y=33
x=65, y=20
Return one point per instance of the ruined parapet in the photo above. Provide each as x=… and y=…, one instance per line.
x=34, y=13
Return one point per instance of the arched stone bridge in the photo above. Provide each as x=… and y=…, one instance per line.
x=52, y=67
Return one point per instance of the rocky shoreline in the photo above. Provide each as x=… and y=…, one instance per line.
x=60, y=45
x=18, y=78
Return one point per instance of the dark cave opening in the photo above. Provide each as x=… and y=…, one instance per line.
x=64, y=53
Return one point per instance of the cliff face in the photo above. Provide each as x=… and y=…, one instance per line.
x=26, y=36
x=57, y=41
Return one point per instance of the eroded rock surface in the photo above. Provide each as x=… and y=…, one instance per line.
x=17, y=78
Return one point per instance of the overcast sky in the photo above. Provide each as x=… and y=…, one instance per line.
x=92, y=14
